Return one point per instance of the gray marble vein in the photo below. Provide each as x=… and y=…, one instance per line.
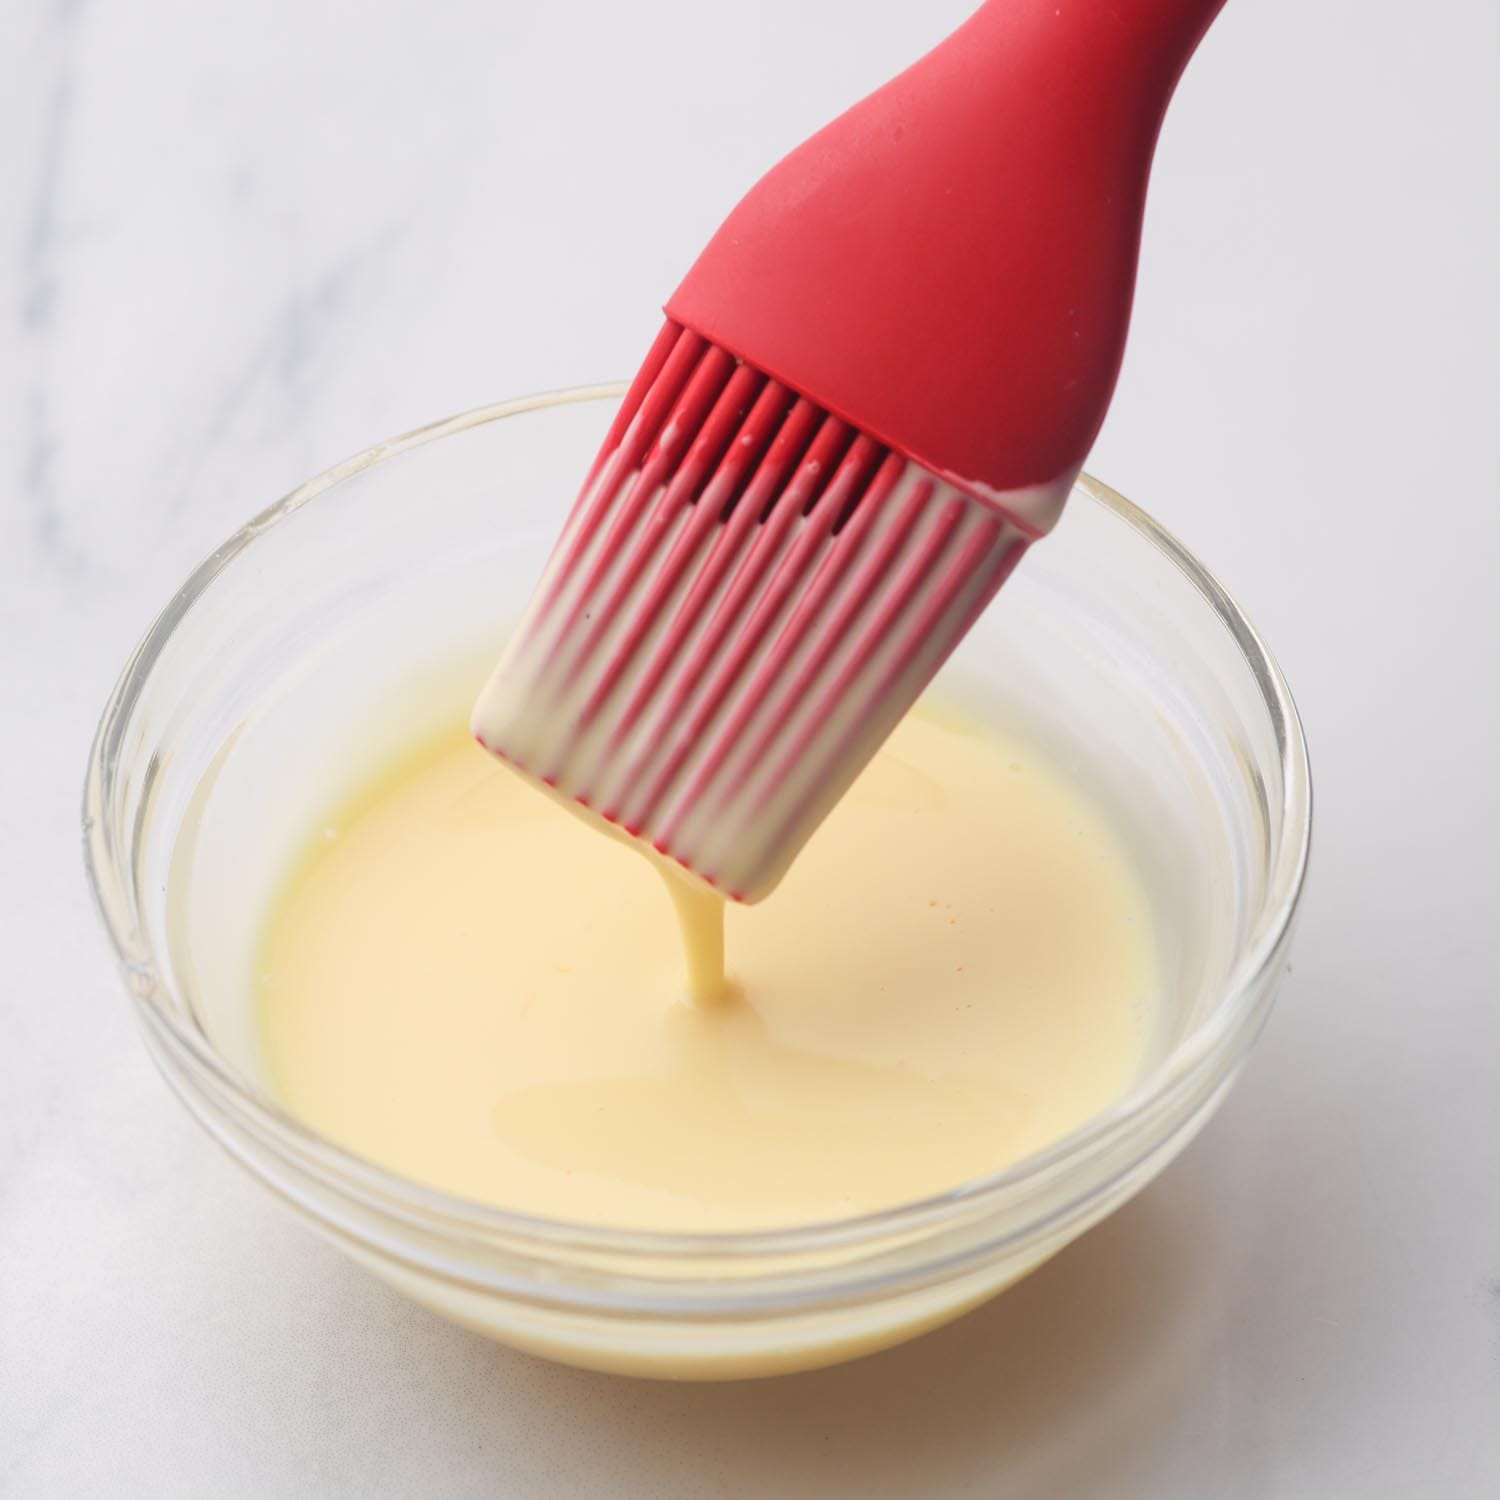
x=40, y=284
x=272, y=377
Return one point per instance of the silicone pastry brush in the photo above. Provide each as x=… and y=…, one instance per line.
x=872, y=393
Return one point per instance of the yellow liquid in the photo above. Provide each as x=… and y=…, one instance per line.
x=468, y=985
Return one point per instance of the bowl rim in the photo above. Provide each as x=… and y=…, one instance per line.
x=1210, y=1049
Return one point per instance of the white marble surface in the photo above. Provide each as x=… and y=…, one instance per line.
x=239, y=242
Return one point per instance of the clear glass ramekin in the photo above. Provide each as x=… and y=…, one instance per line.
x=268, y=680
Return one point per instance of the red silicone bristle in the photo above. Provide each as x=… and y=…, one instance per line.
x=734, y=461
x=786, y=447
x=745, y=587
x=711, y=676
x=647, y=379
x=780, y=594
x=979, y=557
x=672, y=444
x=792, y=680
x=715, y=435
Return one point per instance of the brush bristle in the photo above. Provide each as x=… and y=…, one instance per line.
x=747, y=596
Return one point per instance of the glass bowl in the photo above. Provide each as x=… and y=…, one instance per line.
x=264, y=688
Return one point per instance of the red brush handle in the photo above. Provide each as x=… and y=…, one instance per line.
x=949, y=265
